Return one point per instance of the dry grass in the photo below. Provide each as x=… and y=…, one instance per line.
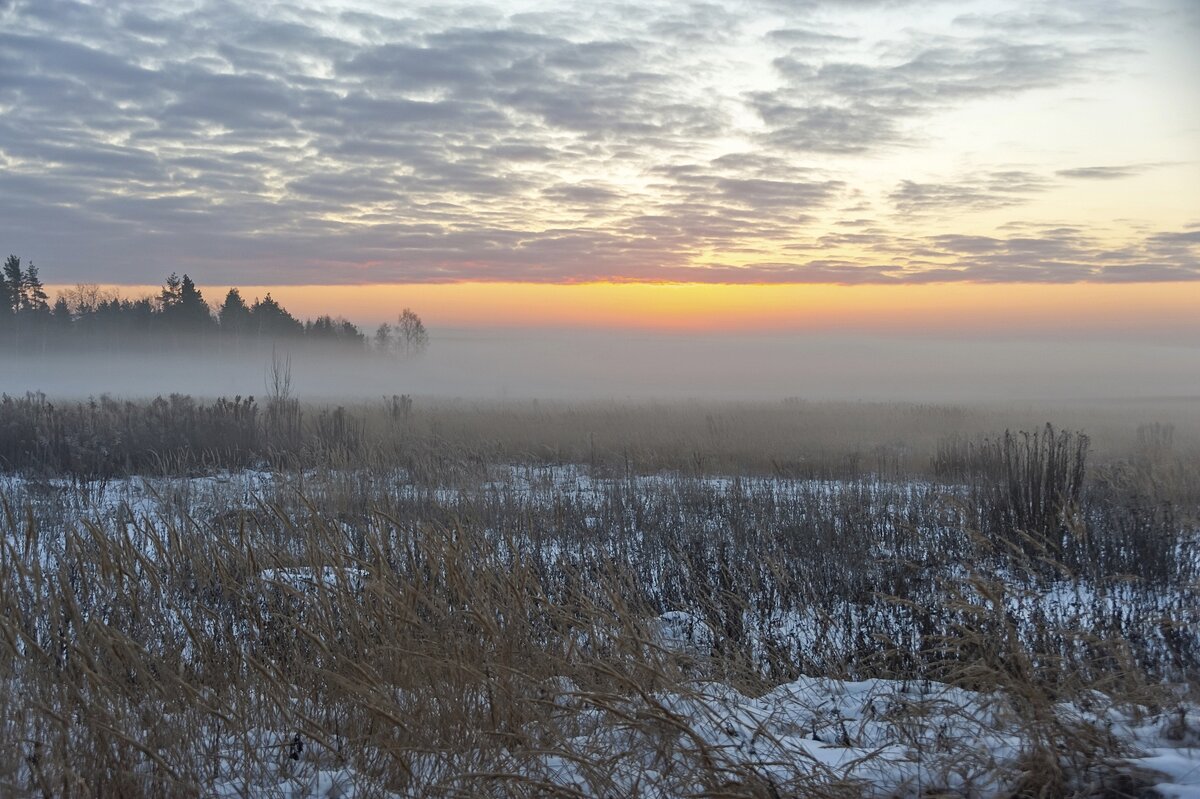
x=456, y=643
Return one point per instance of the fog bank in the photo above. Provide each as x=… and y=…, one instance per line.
x=578, y=365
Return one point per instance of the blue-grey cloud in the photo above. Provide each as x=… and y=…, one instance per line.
x=1105, y=172
x=301, y=143
x=972, y=192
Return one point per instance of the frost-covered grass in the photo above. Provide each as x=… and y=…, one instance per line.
x=562, y=630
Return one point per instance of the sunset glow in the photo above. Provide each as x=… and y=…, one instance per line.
x=1167, y=309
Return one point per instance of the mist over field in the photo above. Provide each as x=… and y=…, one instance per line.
x=605, y=365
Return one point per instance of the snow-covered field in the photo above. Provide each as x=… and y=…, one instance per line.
x=811, y=736
x=829, y=550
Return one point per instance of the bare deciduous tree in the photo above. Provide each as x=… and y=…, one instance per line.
x=411, y=336
x=383, y=337
x=84, y=298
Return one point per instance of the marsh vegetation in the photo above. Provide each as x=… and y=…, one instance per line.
x=259, y=597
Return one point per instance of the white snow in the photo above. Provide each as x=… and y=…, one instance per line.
x=901, y=739
x=887, y=738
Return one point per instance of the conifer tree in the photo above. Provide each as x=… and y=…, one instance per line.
x=192, y=310
x=14, y=284
x=6, y=302
x=234, y=316
x=61, y=313
x=272, y=320
x=35, y=298
x=170, y=296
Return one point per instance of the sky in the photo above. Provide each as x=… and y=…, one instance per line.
x=757, y=162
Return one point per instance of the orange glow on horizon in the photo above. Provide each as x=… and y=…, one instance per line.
x=937, y=308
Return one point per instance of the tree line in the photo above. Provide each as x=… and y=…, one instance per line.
x=88, y=316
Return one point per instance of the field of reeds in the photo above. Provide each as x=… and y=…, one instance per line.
x=264, y=598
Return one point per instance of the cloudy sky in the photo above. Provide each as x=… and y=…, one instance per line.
x=754, y=141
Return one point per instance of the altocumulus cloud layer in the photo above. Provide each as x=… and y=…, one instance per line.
x=760, y=140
